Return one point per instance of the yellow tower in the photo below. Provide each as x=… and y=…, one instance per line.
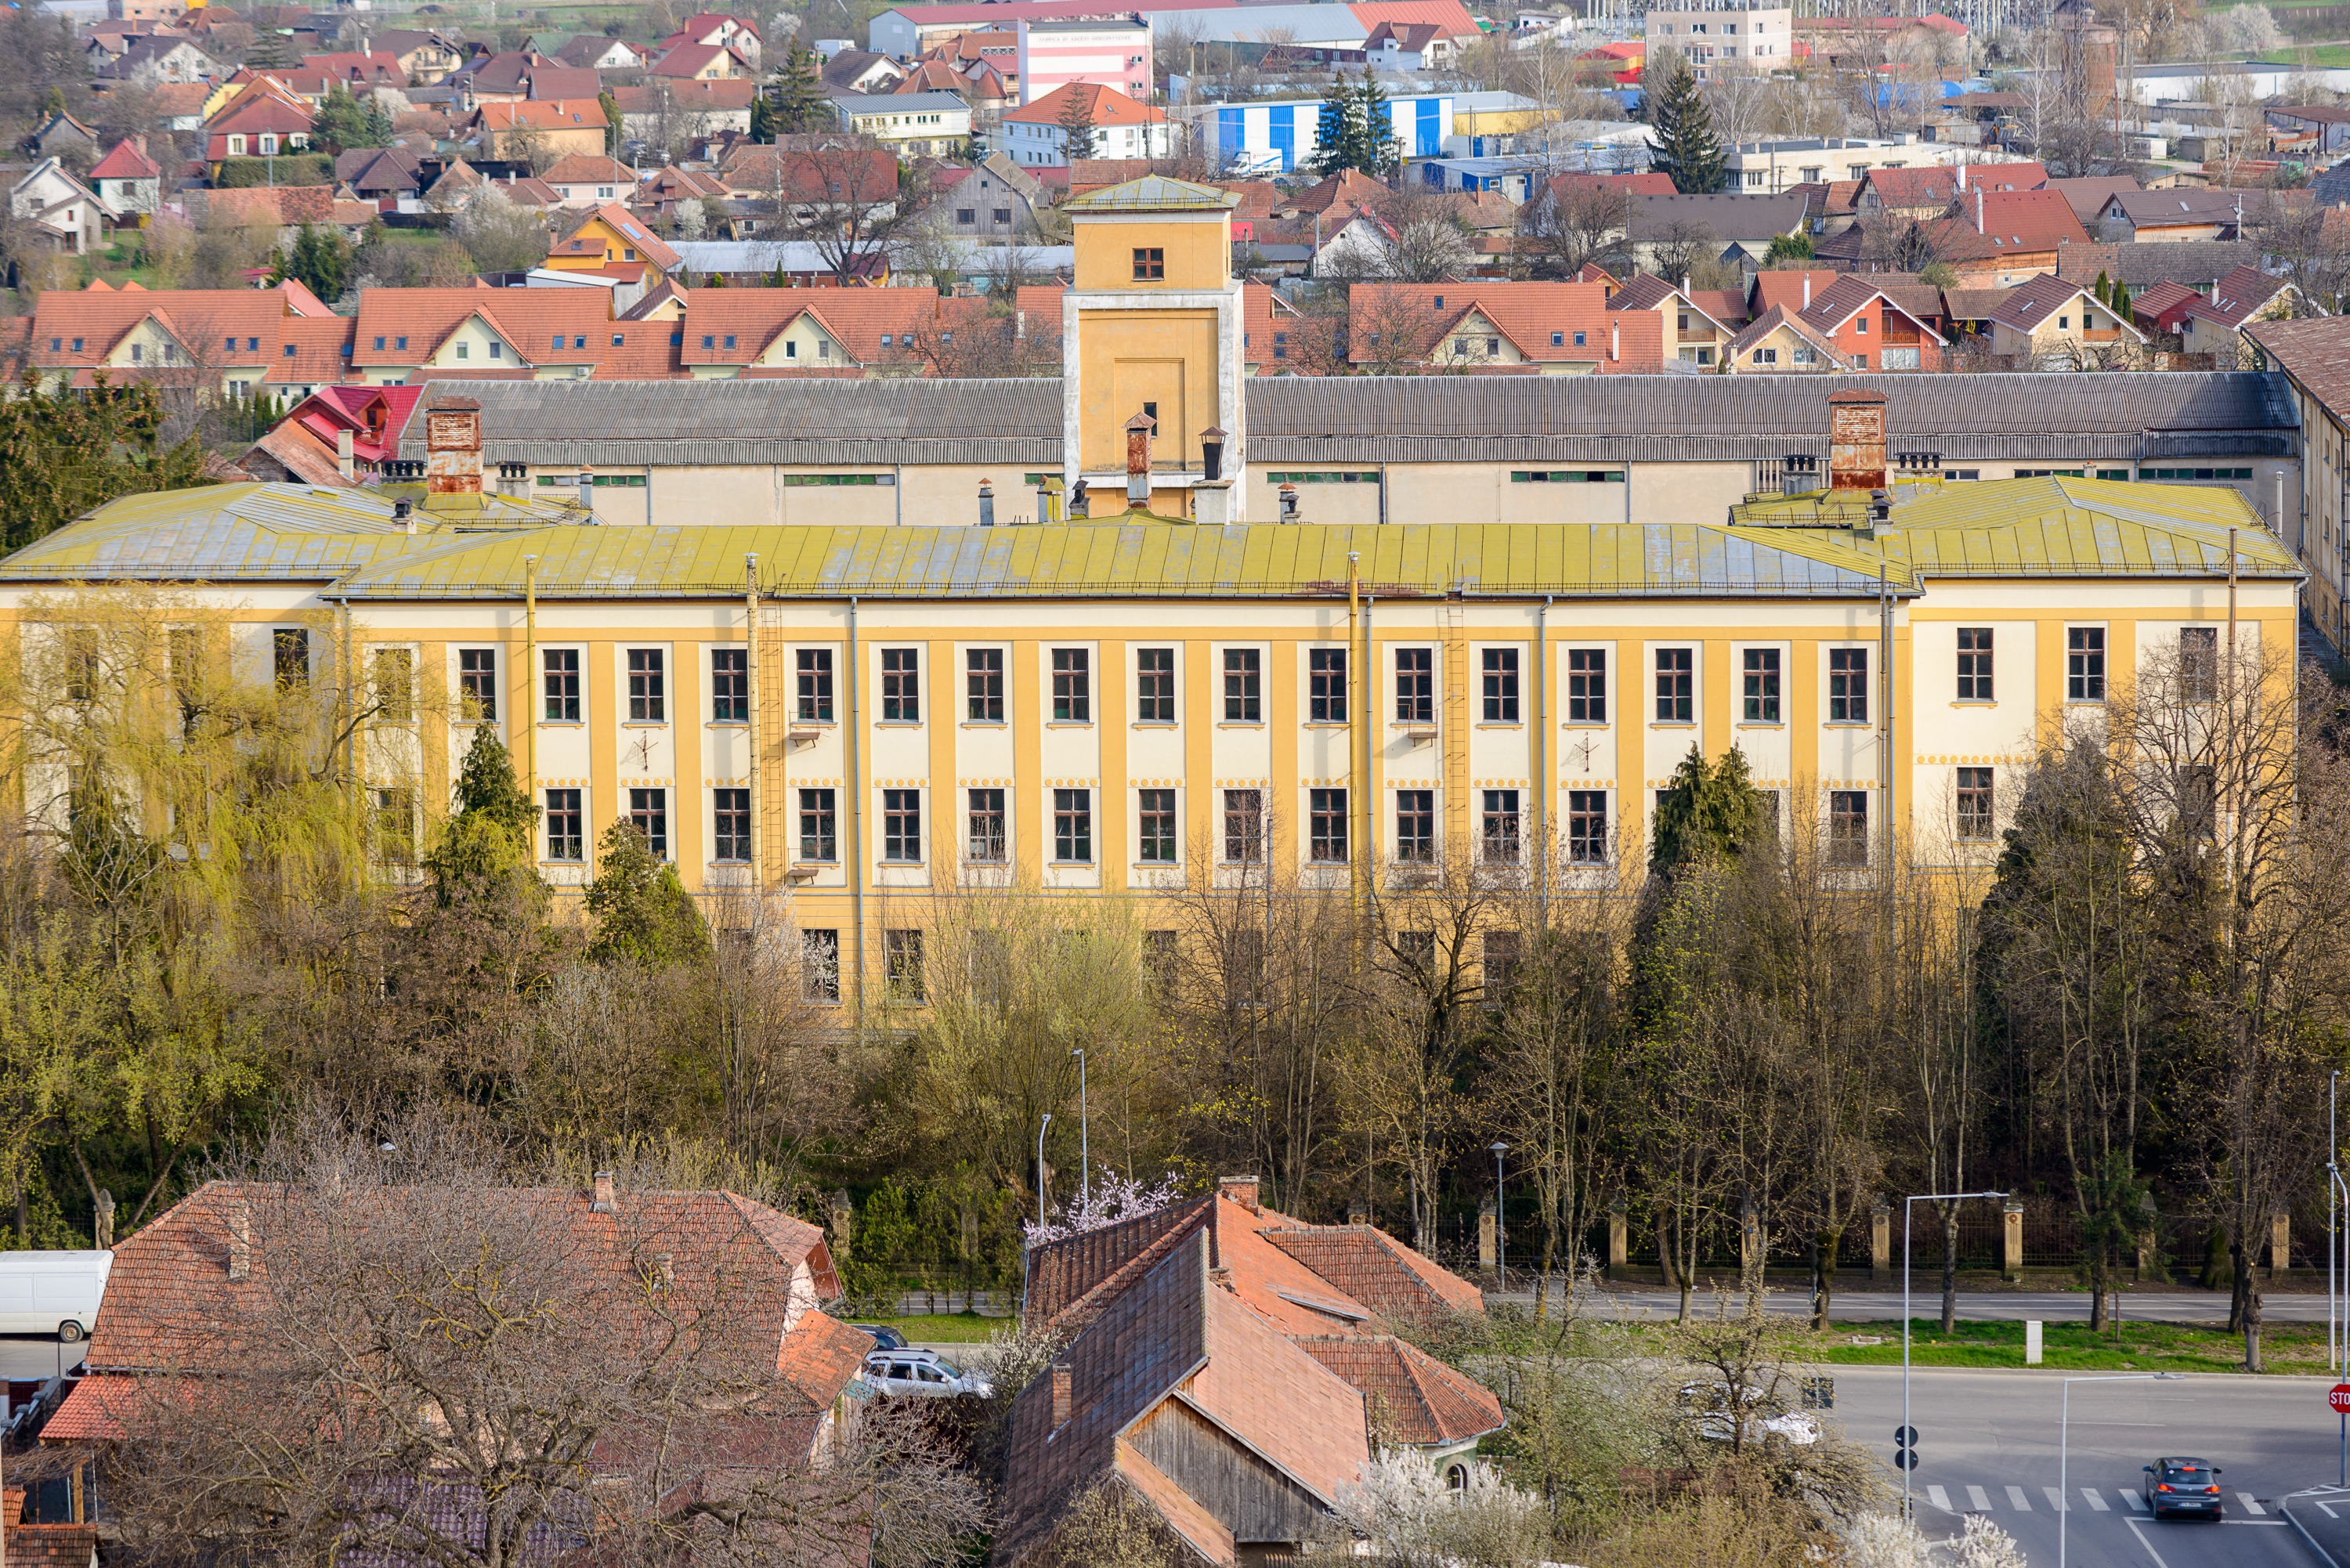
x=1153, y=328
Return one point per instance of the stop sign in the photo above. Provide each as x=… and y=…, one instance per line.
x=2339, y=1398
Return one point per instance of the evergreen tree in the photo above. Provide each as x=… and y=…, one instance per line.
x=2103, y=288
x=800, y=103
x=342, y=123
x=2121, y=299
x=1376, y=120
x=319, y=259
x=271, y=51
x=642, y=911
x=62, y=453
x=1077, y=123
x=1686, y=146
x=1709, y=809
x=486, y=850
x=611, y=107
x=762, y=120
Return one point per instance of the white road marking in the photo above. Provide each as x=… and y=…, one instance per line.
x=1940, y=1499
x=2017, y=1500
x=2251, y=1506
x=2137, y=1503
x=2098, y=1503
x=2056, y=1497
x=2328, y=1509
x=2138, y=1530
x=1978, y=1500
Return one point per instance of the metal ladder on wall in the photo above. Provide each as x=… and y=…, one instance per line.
x=1458, y=713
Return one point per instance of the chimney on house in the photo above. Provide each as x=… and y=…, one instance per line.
x=453, y=447
x=1241, y=1189
x=607, y=1200
x=240, y=1240
x=1979, y=210
x=1063, y=1394
x=587, y=490
x=1962, y=178
x=1358, y=1212
x=987, y=503
x=345, y=462
x=1139, y=432
x=1855, y=441
x=1808, y=290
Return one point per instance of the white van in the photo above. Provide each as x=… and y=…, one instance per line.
x=52, y=1292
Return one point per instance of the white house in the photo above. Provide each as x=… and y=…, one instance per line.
x=1122, y=128
x=65, y=215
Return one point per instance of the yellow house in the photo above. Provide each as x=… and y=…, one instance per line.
x=553, y=128
x=2052, y=323
x=611, y=240
x=1153, y=330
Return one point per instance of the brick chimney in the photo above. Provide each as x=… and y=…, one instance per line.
x=1855, y=441
x=1241, y=1189
x=607, y=1198
x=453, y=447
x=240, y=1240
x=1064, y=1393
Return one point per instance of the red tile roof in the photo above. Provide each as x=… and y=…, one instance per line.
x=529, y=319
x=2162, y=304
x=688, y=96
x=126, y=162
x=1413, y=1397
x=550, y=114
x=1994, y=224
x=1849, y=297
x=1106, y=106
x=687, y=59
x=1938, y=186
x=1530, y=314
x=96, y=318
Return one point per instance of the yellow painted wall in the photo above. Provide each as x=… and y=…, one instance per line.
x=1197, y=246
x=1131, y=358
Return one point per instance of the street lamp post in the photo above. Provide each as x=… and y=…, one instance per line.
x=1907, y=1429
x=1039, y=1166
x=2063, y=1436
x=1501, y=1230
x=1084, y=1134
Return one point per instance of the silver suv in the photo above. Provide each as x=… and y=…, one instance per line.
x=921, y=1372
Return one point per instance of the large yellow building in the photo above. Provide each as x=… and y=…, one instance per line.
x=1149, y=701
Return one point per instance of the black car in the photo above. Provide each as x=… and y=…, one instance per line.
x=2182, y=1486
x=884, y=1337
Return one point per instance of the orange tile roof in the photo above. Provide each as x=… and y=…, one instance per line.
x=1849, y=297
x=201, y=317
x=1937, y=185
x=589, y=168
x=1529, y=314
x=543, y=114
x=740, y=323
x=1106, y=106
x=629, y=227
x=320, y=350
x=527, y=318
x=1413, y=1396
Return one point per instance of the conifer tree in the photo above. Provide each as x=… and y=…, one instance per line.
x=1077, y=123
x=1687, y=147
x=1335, y=134
x=799, y=101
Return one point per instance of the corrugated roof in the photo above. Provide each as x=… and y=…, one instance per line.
x=1152, y=193
x=1401, y=418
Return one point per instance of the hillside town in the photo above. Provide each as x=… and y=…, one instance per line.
x=1648, y=701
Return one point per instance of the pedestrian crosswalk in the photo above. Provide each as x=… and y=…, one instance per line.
x=2017, y=1499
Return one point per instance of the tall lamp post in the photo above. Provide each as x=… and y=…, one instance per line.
x=1910, y=1441
x=1501, y=1230
x=1039, y=1166
x=2338, y=1253
x=2064, y=1433
x=1084, y=1134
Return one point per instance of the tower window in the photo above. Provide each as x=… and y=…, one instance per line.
x=1150, y=263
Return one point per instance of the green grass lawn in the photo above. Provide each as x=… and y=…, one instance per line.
x=2140, y=1347
x=944, y=1328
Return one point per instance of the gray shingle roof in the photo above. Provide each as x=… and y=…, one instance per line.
x=1408, y=418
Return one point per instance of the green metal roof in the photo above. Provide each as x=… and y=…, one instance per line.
x=1153, y=193
x=245, y=532
x=2051, y=526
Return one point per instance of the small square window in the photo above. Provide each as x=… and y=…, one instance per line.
x=1150, y=263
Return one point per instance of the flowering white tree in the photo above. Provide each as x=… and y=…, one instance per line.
x=1406, y=1513
x=1888, y=1541
x=1110, y=1199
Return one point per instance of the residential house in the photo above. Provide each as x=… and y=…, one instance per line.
x=915, y=125
x=178, y=107
x=703, y=63
x=2162, y=308
x=673, y=113
x=361, y=71
x=660, y=195
x=715, y=29
x=1902, y=195
x=343, y=434
x=2180, y=213
x=62, y=213
x=1221, y=1364
x=127, y=180
x=404, y=335
x=187, y=1291
x=1733, y=227
x=2001, y=237
x=1122, y=128
x=803, y=182
x=262, y=121
x=2197, y=263
x=2215, y=325
x=517, y=132
x=241, y=340
x=1780, y=340
x=1410, y=46
x=42, y=1542
x=152, y=59
x=1696, y=322
x=1528, y=329
x=995, y=199
x=2051, y=322
x=861, y=71
x=2090, y=193
x=996, y=51
x=427, y=56
x=594, y=52
x=276, y=214
x=60, y=133
x=749, y=334
x=590, y=179
x=1870, y=329
x=390, y=177
x=614, y=241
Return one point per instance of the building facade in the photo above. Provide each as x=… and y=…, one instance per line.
x=1736, y=37
x=1112, y=51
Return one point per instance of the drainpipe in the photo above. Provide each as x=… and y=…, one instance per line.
x=1543, y=780
x=751, y=707
x=856, y=793
x=1358, y=720
x=1885, y=741
x=530, y=714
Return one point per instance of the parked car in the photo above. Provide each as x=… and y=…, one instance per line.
x=52, y=1292
x=921, y=1372
x=2182, y=1486
x=1765, y=1417
x=884, y=1337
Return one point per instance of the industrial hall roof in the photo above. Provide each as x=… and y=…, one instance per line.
x=1316, y=420
x=1817, y=546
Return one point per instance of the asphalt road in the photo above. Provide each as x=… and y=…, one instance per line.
x=26, y=1358
x=1988, y=1444
x=2049, y=1306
